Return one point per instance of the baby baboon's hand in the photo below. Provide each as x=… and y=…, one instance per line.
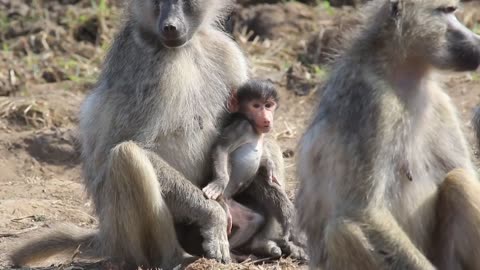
x=214, y=190
x=272, y=180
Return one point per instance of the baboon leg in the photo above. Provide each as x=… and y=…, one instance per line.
x=346, y=247
x=137, y=212
x=275, y=199
x=374, y=241
x=264, y=247
x=278, y=206
x=189, y=205
x=457, y=236
x=247, y=221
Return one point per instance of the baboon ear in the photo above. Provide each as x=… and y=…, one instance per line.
x=395, y=8
x=232, y=104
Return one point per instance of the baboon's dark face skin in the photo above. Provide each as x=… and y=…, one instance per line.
x=178, y=20
x=462, y=47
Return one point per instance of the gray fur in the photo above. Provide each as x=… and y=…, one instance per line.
x=476, y=125
x=373, y=162
x=147, y=130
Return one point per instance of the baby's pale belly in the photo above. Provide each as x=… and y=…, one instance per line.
x=245, y=162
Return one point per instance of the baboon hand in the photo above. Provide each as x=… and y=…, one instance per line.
x=214, y=190
x=215, y=236
x=272, y=180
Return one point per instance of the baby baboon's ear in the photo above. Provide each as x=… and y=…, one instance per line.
x=395, y=8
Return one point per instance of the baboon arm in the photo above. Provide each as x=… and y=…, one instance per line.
x=185, y=199
x=273, y=153
x=233, y=136
x=188, y=205
x=220, y=165
x=391, y=243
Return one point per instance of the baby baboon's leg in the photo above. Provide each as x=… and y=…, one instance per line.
x=274, y=200
x=188, y=204
x=275, y=203
x=263, y=243
x=247, y=222
x=457, y=236
x=138, y=223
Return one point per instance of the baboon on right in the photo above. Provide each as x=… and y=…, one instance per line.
x=387, y=180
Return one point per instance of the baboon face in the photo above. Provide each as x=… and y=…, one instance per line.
x=174, y=22
x=449, y=44
x=177, y=20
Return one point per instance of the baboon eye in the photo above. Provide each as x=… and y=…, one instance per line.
x=269, y=105
x=256, y=105
x=447, y=9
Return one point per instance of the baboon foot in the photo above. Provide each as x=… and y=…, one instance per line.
x=296, y=252
x=266, y=248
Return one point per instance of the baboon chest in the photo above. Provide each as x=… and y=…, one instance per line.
x=412, y=194
x=244, y=164
x=189, y=109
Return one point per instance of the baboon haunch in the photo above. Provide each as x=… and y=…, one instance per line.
x=373, y=164
x=147, y=130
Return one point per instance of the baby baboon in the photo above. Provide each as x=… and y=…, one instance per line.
x=143, y=160
x=238, y=155
x=373, y=162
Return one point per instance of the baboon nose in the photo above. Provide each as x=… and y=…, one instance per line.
x=169, y=29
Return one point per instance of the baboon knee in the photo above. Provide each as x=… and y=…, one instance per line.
x=125, y=152
x=458, y=180
x=132, y=174
x=346, y=243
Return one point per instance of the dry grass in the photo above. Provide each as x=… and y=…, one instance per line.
x=283, y=264
x=26, y=111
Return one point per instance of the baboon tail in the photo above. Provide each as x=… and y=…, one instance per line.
x=63, y=240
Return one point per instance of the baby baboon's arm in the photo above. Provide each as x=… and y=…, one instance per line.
x=269, y=166
x=233, y=136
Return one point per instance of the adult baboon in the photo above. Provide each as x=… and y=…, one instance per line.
x=147, y=130
x=376, y=191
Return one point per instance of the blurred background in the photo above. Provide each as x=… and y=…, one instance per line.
x=51, y=52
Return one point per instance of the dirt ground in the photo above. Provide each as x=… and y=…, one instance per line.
x=50, y=54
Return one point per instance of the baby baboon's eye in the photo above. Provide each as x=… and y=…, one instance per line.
x=447, y=9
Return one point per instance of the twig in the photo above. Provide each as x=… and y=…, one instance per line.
x=259, y=261
x=21, y=218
